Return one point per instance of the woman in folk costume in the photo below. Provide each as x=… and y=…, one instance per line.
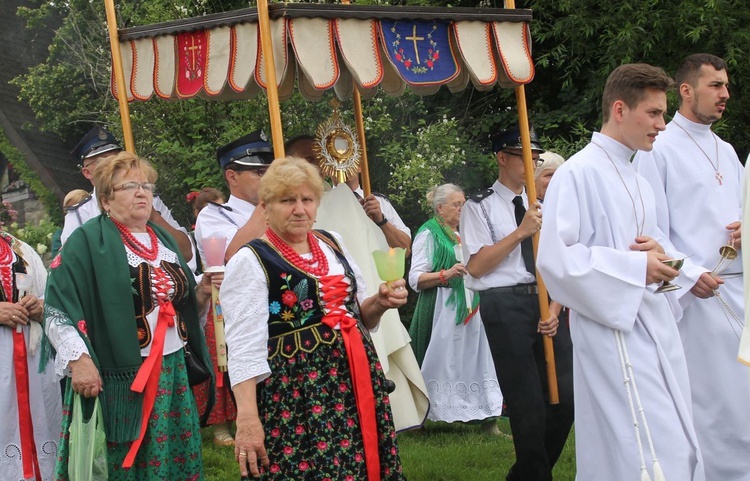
x=30, y=401
x=310, y=391
x=121, y=307
x=447, y=333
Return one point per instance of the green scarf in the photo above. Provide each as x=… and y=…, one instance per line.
x=443, y=257
x=90, y=281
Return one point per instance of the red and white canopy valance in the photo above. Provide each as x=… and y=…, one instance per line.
x=323, y=46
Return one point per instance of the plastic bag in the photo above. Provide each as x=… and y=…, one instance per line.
x=87, y=445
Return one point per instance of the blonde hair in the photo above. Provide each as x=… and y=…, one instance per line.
x=74, y=197
x=549, y=160
x=286, y=175
x=106, y=170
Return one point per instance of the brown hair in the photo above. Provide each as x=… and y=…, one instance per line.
x=629, y=83
x=106, y=170
x=286, y=175
x=206, y=195
x=689, y=70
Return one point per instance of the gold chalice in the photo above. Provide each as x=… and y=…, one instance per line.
x=667, y=286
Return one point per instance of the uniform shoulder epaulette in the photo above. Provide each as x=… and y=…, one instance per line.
x=75, y=207
x=481, y=195
x=221, y=206
x=378, y=194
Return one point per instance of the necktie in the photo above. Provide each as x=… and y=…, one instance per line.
x=527, y=248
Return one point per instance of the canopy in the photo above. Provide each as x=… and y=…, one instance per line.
x=324, y=46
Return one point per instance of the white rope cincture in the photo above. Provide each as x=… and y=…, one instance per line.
x=628, y=378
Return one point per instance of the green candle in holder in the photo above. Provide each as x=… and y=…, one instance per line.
x=390, y=264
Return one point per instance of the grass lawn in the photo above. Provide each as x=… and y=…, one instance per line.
x=442, y=452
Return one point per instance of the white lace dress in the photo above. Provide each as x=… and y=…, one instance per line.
x=457, y=367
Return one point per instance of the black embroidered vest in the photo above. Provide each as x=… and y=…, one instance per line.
x=295, y=301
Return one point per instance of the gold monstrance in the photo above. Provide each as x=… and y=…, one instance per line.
x=337, y=147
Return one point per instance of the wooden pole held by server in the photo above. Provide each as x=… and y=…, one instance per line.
x=272, y=91
x=523, y=125
x=117, y=70
x=360, y=123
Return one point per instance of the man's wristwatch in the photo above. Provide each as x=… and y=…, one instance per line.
x=382, y=222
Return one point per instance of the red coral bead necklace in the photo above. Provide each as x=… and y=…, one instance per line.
x=148, y=253
x=317, y=266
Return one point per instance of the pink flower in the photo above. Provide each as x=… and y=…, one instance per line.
x=343, y=387
x=307, y=304
x=333, y=372
x=274, y=468
x=429, y=63
x=317, y=409
x=276, y=397
x=288, y=450
x=303, y=466
x=358, y=457
x=299, y=429
x=275, y=432
x=295, y=393
x=398, y=57
x=283, y=275
x=436, y=55
x=285, y=414
x=82, y=326
x=313, y=375
x=344, y=443
x=407, y=63
x=339, y=407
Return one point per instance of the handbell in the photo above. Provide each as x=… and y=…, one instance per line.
x=728, y=252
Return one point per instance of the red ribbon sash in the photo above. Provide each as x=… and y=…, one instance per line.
x=334, y=295
x=28, y=446
x=147, y=378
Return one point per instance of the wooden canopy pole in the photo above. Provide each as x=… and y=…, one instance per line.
x=359, y=120
x=122, y=89
x=523, y=125
x=272, y=91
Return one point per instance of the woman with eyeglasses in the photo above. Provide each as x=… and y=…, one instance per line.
x=447, y=334
x=121, y=311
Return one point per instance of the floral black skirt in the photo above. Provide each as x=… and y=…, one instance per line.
x=309, y=414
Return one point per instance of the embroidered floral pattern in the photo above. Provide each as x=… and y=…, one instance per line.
x=433, y=53
x=297, y=306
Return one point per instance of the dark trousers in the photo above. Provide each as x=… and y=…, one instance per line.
x=539, y=428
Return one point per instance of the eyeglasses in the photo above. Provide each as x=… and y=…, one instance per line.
x=457, y=205
x=259, y=171
x=518, y=154
x=133, y=186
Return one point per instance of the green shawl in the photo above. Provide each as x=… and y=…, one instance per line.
x=90, y=280
x=443, y=257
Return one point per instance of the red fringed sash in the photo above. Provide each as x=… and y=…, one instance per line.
x=334, y=295
x=148, y=375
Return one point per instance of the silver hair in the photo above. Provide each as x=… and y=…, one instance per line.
x=549, y=160
x=439, y=195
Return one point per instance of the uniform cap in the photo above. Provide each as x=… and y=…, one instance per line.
x=511, y=139
x=252, y=150
x=97, y=141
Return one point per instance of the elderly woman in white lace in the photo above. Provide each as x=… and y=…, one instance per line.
x=29, y=400
x=121, y=309
x=447, y=334
x=311, y=402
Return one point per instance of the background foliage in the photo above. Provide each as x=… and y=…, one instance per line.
x=413, y=142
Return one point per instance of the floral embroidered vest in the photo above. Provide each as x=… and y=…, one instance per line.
x=295, y=301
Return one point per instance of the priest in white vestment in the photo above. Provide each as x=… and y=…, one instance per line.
x=697, y=180
x=340, y=211
x=601, y=254
x=744, y=354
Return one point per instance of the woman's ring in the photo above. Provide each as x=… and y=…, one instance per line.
x=243, y=453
